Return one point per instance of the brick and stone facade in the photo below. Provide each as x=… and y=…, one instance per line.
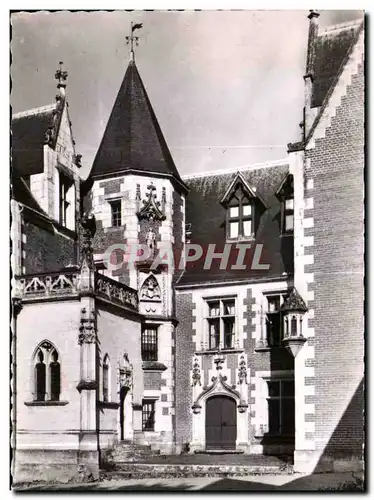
x=93, y=308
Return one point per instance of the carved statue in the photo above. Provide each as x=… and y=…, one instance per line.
x=196, y=376
x=150, y=241
x=88, y=223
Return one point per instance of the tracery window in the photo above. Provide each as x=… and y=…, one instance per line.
x=47, y=373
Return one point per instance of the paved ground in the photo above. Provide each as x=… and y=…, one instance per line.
x=295, y=482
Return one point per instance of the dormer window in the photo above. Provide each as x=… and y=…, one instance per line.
x=244, y=208
x=240, y=216
x=286, y=196
x=288, y=216
x=66, y=201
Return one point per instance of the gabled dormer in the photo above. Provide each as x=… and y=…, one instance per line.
x=243, y=210
x=285, y=194
x=44, y=156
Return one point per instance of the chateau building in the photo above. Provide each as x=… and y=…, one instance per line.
x=213, y=312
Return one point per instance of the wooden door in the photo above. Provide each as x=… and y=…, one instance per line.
x=220, y=421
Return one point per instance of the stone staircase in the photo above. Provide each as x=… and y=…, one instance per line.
x=128, y=452
x=127, y=460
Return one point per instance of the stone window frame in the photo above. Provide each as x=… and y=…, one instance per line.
x=262, y=397
x=115, y=215
x=208, y=319
x=46, y=353
x=241, y=218
x=276, y=294
x=145, y=327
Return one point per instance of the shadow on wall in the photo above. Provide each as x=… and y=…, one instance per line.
x=348, y=437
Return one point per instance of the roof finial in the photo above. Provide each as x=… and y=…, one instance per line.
x=61, y=75
x=130, y=39
x=313, y=13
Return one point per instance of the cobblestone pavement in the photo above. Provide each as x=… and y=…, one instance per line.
x=295, y=482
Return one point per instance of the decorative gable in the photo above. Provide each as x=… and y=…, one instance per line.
x=152, y=209
x=244, y=208
x=286, y=189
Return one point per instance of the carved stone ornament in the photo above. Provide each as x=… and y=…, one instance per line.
x=150, y=289
x=196, y=376
x=125, y=372
x=219, y=360
x=219, y=386
x=87, y=329
x=88, y=223
x=151, y=208
x=242, y=371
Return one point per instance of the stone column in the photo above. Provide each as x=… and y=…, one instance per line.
x=88, y=458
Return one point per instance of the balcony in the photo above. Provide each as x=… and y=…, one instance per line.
x=67, y=284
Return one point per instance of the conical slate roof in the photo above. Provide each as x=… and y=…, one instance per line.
x=133, y=139
x=294, y=302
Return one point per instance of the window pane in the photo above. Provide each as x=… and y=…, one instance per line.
x=214, y=308
x=273, y=388
x=148, y=415
x=229, y=328
x=247, y=227
x=234, y=211
x=274, y=416
x=234, y=229
x=213, y=333
x=40, y=381
x=247, y=210
x=55, y=380
x=149, y=344
x=273, y=329
x=273, y=303
x=289, y=204
x=293, y=326
x=116, y=213
x=288, y=416
x=229, y=307
x=289, y=223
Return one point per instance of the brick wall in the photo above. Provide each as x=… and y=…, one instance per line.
x=334, y=169
x=46, y=251
x=184, y=349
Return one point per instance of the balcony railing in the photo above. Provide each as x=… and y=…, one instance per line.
x=116, y=292
x=48, y=285
x=68, y=283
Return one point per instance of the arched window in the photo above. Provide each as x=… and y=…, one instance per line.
x=106, y=369
x=47, y=373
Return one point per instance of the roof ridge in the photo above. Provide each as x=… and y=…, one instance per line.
x=34, y=111
x=337, y=27
x=234, y=170
x=334, y=83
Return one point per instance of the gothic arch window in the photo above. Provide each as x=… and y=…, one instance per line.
x=47, y=373
x=106, y=377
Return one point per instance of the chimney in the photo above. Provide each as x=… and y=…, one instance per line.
x=309, y=113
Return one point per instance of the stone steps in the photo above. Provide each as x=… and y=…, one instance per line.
x=137, y=470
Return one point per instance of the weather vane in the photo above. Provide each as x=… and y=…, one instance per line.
x=131, y=39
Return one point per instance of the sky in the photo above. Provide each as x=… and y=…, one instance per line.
x=226, y=86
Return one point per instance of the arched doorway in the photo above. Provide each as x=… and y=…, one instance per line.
x=220, y=423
